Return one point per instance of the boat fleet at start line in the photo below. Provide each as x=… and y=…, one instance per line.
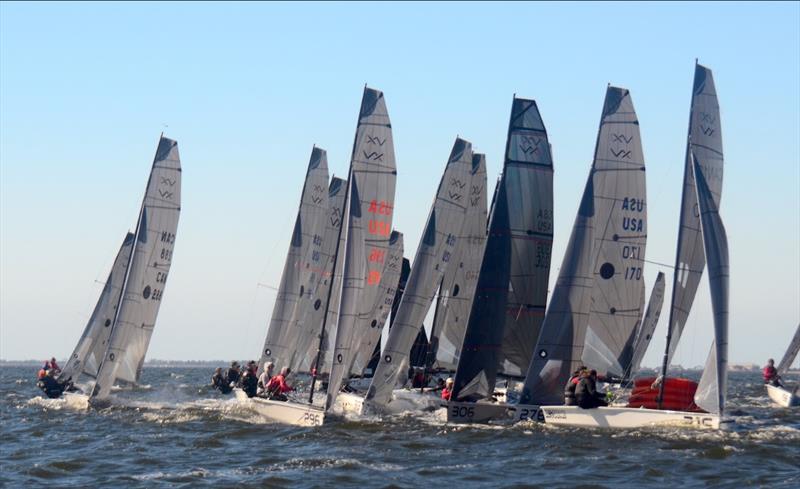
x=485, y=271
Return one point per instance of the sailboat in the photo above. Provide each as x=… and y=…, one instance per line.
x=511, y=291
x=302, y=273
x=115, y=341
x=597, y=302
x=433, y=256
x=701, y=221
x=362, y=243
x=781, y=395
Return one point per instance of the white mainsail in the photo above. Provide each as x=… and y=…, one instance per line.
x=648, y=327
x=459, y=282
x=314, y=315
x=373, y=174
x=147, y=274
x=620, y=221
x=371, y=324
x=91, y=347
x=791, y=353
x=281, y=343
x=712, y=388
x=432, y=258
x=705, y=142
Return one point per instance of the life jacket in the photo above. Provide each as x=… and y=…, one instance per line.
x=770, y=373
x=41, y=374
x=278, y=385
x=446, y=393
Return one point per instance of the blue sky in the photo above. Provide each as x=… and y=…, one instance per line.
x=247, y=89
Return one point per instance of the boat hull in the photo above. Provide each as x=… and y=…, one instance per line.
x=626, y=418
x=348, y=404
x=284, y=412
x=478, y=412
x=782, y=397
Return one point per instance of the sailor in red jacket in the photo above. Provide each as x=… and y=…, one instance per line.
x=448, y=389
x=277, y=386
x=771, y=374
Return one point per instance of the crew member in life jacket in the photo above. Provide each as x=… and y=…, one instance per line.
x=277, y=386
x=250, y=379
x=232, y=376
x=218, y=380
x=586, y=395
x=51, y=386
x=447, y=392
x=572, y=383
x=771, y=374
x=265, y=377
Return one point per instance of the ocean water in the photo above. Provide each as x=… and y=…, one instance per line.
x=175, y=432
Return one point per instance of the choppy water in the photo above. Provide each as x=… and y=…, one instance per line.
x=176, y=433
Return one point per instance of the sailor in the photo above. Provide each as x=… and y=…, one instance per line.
x=277, y=386
x=54, y=366
x=586, y=395
x=41, y=374
x=771, y=374
x=418, y=381
x=439, y=385
x=572, y=383
x=447, y=392
x=265, y=377
x=217, y=380
x=250, y=379
x=232, y=376
x=50, y=386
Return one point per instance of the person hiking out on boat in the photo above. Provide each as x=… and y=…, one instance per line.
x=440, y=384
x=54, y=366
x=233, y=374
x=50, y=386
x=218, y=380
x=265, y=377
x=586, y=395
x=250, y=380
x=447, y=392
x=278, y=387
x=572, y=383
x=771, y=374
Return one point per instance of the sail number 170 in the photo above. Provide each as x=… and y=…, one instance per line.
x=633, y=273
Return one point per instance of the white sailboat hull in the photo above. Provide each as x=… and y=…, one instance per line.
x=783, y=397
x=403, y=400
x=284, y=412
x=348, y=404
x=626, y=418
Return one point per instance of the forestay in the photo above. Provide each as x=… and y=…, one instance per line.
x=372, y=323
x=459, y=282
x=791, y=353
x=705, y=142
x=620, y=237
x=712, y=389
x=92, y=345
x=374, y=172
x=301, y=267
x=648, y=326
x=147, y=273
x=432, y=258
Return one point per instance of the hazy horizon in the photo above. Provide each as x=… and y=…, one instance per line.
x=246, y=89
